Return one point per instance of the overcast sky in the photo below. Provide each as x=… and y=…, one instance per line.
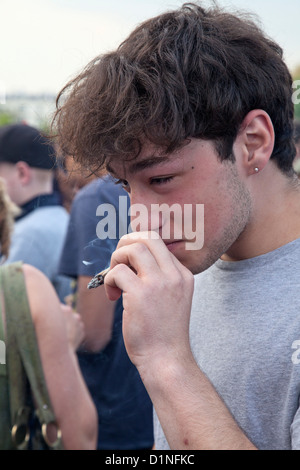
x=46, y=42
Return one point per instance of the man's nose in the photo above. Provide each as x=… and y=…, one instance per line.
x=142, y=215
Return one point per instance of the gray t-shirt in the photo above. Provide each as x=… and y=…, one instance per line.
x=245, y=336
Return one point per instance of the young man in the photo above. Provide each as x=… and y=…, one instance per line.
x=27, y=162
x=195, y=108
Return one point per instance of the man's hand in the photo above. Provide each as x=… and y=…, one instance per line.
x=157, y=294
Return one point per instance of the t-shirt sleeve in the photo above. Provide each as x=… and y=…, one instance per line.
x=29, y=248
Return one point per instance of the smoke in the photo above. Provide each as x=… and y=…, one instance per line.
x=97, y=253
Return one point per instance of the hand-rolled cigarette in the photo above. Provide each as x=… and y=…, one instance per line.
x=98, y=279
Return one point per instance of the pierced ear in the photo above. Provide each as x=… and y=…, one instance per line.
x=258, y=137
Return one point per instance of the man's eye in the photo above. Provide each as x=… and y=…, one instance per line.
x=161, y=180
x=124, y=184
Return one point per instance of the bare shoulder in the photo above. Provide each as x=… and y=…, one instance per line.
x=42, y=297
x=33, y=275
x=46, y=313
x=72, y=404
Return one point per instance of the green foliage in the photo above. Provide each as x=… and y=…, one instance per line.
x=6, y=117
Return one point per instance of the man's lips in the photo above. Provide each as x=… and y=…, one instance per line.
x=171, y=245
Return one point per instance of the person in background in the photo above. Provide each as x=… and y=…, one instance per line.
x=123, y=405
x=27, y=162
x=69, y=178
x=195, y=108
x=59, y=332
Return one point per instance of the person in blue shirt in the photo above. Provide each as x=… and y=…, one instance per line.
x=27, y=164
x=123, y=405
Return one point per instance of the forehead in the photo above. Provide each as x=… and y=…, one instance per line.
x=150, y=157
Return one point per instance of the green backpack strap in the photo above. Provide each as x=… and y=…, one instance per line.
x=23, y=356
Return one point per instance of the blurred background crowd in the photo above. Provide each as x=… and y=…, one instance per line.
x=44, y=44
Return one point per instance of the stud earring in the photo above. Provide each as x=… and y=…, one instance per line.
x=256, y=169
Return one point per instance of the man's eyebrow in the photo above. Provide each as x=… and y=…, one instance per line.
x=140, y=165
x=147, y=163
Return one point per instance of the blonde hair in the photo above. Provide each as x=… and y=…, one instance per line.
x=8, y=211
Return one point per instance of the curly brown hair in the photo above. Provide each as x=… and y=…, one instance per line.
x=186, y=73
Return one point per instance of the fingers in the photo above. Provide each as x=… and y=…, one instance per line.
x=133, y=261
x=66, y=308
x=153, y=244
x=157, y=291
x=140, y=256
x=120, y=279
x=135, y=255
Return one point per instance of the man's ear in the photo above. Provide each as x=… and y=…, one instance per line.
x=24, y=172
x=257, y=138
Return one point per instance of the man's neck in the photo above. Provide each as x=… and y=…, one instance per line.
x=275, y=220
x=32, y=193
